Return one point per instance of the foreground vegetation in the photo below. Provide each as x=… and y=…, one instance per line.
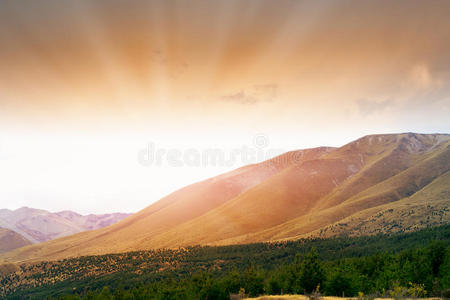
x=413, y=264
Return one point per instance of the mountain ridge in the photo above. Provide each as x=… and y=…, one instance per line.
x=38, y=225
x=298, y=194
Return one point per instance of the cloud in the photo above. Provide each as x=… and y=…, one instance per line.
x=253, y=95
x=267, y=92
x=424, y=88
x=239, y=97
x=175, y=67
x=427, y=85
x=367, y=106
x=422, y=78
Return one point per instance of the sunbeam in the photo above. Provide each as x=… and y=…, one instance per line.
x=215, y=73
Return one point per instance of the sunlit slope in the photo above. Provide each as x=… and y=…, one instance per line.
x=288, y=194
x=381, y=157
x=321, y=192
x=419, y=178
x=428, y=207
x=309, y=196
x=181, y=206
x=194, y=201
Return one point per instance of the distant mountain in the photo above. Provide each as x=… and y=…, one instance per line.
x=39, y=225
x=10, y=240
x=378, y=183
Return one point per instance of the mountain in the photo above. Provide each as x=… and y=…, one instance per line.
x=38, y=225
x=10, y=240
x=378, y=183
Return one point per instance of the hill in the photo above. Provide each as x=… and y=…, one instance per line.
x=38, y=225
x=10, y=240
x=376, y=184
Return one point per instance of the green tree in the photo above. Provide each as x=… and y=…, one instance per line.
x=339, y=283
x=105, y=294
x=437, y=253
x=311, y=272
x=444, y=274
x=232, y=282
x=253, y=282
x=274, y=285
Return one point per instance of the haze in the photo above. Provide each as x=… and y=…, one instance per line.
x=86, y=85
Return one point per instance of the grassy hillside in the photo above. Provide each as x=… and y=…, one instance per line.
x=391, y=173
x=360, y=188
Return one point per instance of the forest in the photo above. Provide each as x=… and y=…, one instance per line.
x=398, y=265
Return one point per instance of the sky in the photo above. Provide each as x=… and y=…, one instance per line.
x=111, y=105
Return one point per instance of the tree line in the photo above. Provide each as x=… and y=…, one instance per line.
x=414, y=264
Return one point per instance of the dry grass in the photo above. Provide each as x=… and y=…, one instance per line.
x=329, y=192
x=284, y=297
x=301, y=297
